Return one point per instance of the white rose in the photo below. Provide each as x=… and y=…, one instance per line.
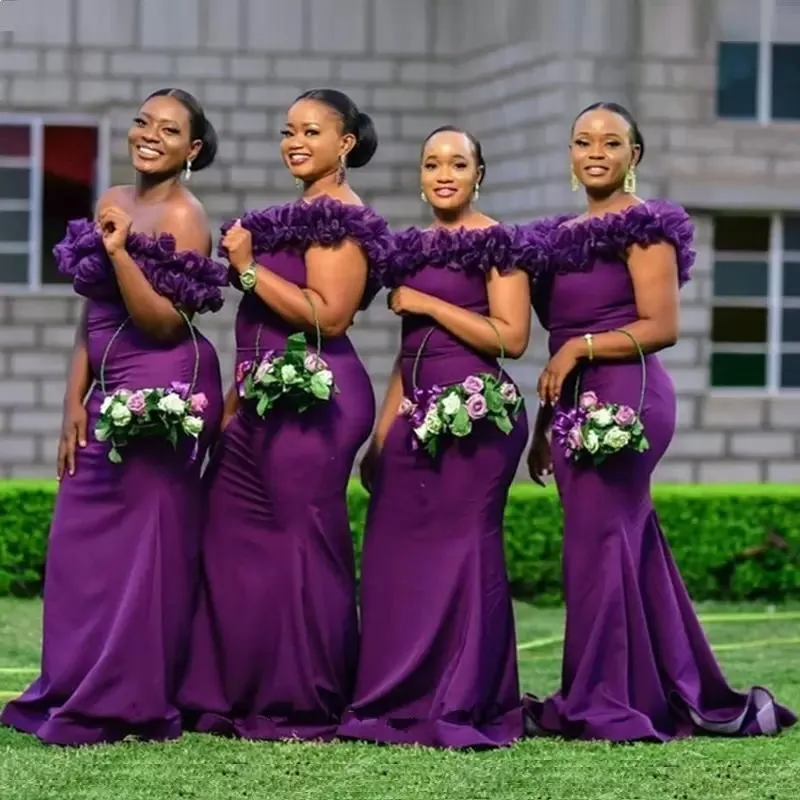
x=326, y=376
x=106, y=405
x=591, y=442
x=421, y=432
x=602, y=417
x=616, y=438
x=432, y=422
x=193, y=425
x=120, y=415
x=288, y=373
x=172, y=404
x=263, y=370
x=451, y=404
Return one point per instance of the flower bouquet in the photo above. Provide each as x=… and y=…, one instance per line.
x=167, y=413
x=298, y=378
x=592, y=431
x=453, y=411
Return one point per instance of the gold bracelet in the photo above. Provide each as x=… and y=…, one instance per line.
x=590, y=345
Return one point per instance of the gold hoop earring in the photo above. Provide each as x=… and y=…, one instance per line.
x=629, y=187
x=574, y=183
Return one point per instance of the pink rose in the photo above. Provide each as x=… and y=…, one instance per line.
x=242, y=368
x=625, y=416
x=588, y=400
x=476, y=406
x=472, y=385
x=509, y=392
x=136, y=403
x=198, y=402
x=406, y=408
x=314, y=363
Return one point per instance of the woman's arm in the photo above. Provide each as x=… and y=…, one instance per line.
x=654, y=273
x=80, y=376
x=389, y=407
x=336, y=278
x=509, y=315
x=150, y=312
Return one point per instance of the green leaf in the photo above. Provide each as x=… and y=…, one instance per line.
x=263, y=405
x=461, y=425
x=504, y=423
x=114, y=456
x=319, y=388
x=494, y=402
x=296, y=345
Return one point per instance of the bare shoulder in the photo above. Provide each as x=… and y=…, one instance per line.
x=184, y=211
x=115, y=196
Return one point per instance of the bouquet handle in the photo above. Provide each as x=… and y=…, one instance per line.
x=642, y=362
x=429, y=333
x=118, y=331
x=317, y=329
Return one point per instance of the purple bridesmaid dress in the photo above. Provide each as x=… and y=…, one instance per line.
x=637, y=665
x=438, y=662
x=275, y=637
x=122, y=554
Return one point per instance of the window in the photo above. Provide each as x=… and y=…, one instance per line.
x=758, y=60
x=51, y=170
x=755, y=318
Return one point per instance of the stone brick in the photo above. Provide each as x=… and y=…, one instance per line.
x=40, y=309
x=366, y=71
x=762, y=445
x=250, y=122
x=93, y=63
x=34, y=23
x=248, y=177
x=339, y=27
x=200, y=67
x=51, y=393
x=249, y=67
x=33, y=472
x=784, y=412
x=17, y=449
x=224, y=26
x=784, y=472
x=729, y=472
x=35, y=421
x=270, y=95
x=57, y=61
x=221, y=93
x=274, y=26
x=720, y=413
x=697, y=444
x=169, y=26
x=17, y=393
x=50, y=93
x=38, y=364
x=97, y=91
x=675, y=472
x=316, y=70
x=689, y=380
x=140, y=65
x=400, y=28
x=106, y=23
x=17, y=336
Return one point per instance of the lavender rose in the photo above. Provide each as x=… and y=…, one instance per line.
x=574, y=440
x=588, y=400
x=136, y=403
x=314, y=363
x=180, y=388
x=198, y=402
x=625, y=416
x=476, y=406
x=472, y=385
x=242, y=368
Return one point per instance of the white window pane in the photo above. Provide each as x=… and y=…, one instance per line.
x=738, y=20
x=786, y=25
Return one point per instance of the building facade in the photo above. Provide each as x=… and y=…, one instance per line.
x=715, y=85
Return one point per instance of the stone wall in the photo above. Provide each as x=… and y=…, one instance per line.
x=514, y=71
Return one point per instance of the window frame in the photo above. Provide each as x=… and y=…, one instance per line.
x=775, y=303
x=37, y=124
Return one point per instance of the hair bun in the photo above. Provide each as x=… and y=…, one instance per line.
x=366, y=141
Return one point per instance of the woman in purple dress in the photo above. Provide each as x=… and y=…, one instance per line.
x=637, y=665
x=275, y=637
x=123, y=549
x=438, y=663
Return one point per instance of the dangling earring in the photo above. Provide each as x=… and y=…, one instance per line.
x=187, y=173
x=476, y=192
x=629, y=187
x=574, y=183
x=342, y=173
x=298, y=184
x=422, y=197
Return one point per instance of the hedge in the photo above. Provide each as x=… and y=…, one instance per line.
x=732, y=543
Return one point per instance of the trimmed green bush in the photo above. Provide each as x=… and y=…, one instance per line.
x=732, y=543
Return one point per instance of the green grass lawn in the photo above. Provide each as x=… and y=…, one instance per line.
x=756, y=645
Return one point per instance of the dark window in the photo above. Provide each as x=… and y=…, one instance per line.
x=737, y=80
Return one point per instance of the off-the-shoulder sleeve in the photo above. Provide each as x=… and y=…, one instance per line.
x=326, y=222
x=189, y=280
x=660, y=221
x=471, y=250
x=535, y=249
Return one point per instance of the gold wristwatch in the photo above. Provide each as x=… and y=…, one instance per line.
x=248, y=278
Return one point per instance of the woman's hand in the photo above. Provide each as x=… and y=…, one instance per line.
x=368, y=466
x=115, y=225
x=73, y=436
x=404, y=300
x=556, y=372
x=239, y=243
x=540, y=462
